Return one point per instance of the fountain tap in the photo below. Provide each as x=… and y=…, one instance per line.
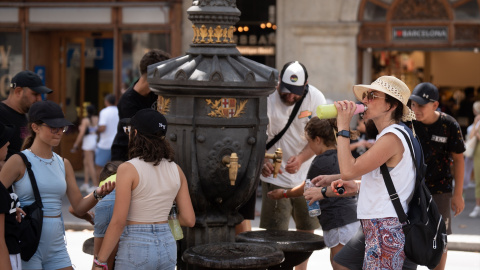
x=277, y=160
x=232, y=164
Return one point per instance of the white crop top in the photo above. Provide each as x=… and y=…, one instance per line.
x=157, y=188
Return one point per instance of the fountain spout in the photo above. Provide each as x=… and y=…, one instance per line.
x=277, y=160
x=232, y=164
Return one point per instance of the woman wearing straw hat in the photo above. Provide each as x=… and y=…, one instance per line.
x=386, y=99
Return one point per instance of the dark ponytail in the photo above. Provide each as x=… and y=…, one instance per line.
x=31, y=136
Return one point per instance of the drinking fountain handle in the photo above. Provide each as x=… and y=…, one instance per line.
x=277, y=160
x=232, y=164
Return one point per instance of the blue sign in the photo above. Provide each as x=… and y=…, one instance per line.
x=40, y=71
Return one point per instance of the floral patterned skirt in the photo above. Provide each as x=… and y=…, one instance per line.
x=384, y=242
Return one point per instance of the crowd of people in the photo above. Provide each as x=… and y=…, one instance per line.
x=131, y=166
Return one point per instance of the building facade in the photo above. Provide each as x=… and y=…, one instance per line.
x=85, y=49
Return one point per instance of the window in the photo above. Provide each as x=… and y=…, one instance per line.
x=10, y=60
x=135, y=45
x=373, y=12
x=467, y=11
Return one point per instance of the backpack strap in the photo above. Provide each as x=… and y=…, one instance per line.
x=38, y=199
x=391, y=188
x=290, y=120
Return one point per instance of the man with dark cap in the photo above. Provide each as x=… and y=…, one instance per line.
x=293, y=90
x=442, y=143
x=26, y=88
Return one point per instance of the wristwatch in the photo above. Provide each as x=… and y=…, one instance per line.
x=324, y=192
x=344, y=133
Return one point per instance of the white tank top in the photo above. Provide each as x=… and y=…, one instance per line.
x=157, y=188
x=373, y=200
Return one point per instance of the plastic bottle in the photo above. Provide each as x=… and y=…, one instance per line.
x=330, y=111
x=174, y=223
x=314, y=209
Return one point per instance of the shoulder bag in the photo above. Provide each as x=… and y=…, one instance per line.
x=31, y=225
x=424, y=228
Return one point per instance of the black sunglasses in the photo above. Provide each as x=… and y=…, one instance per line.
x=55, y=130
x=370, y=95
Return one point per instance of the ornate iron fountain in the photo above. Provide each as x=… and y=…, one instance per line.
x=215, y=102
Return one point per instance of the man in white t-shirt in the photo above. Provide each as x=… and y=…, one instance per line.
x=107, y=129
x=297, y=156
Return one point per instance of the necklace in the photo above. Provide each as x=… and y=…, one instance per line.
x=41, y=159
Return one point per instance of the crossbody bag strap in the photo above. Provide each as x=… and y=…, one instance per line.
x=38, y=199
x=389, y=183
x=393, y=194
x=290, y=120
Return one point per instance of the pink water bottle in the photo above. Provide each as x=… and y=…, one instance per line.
x=328, y=111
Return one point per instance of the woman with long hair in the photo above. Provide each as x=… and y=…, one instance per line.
x=55, y=178
x=146, y=187
x=87, y=134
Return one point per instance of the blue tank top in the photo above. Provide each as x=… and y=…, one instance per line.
x=50, y=176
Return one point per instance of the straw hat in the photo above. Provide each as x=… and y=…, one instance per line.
x=391, y=86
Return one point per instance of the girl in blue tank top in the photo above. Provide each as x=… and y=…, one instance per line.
x=55, y=178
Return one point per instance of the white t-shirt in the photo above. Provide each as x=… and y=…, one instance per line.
x=373, y=200
x=109, y=118
x=293, y=141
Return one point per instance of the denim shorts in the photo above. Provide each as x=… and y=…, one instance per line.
x=52, y=249
x=340, y=235
x=103, y=214
x=102, y=156
x=146, y=246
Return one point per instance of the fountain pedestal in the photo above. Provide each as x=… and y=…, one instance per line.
x=297, y=246
x=233, y=256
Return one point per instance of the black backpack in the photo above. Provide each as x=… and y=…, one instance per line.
x=425, y=230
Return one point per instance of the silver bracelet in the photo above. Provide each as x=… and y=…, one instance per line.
x=96, y=196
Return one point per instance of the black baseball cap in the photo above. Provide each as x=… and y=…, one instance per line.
x=148, y=121
x=49, y=113
x=424, y=93
x=6, y=133
x=31, y=80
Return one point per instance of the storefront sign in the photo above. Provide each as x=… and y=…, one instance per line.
x=256, y=50
x=420, y=33
x=253, y=44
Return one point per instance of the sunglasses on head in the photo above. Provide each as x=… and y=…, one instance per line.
x=370, y=95
x=55, y=130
